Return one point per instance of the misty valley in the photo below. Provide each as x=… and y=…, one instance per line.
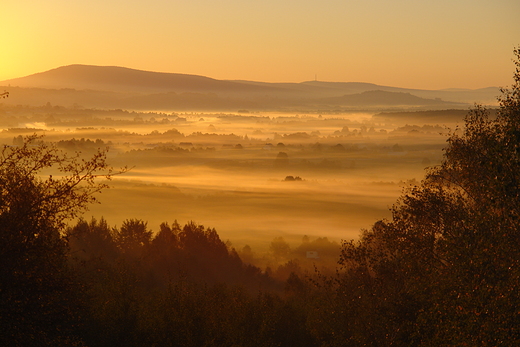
x=148, y=209
x=235, y=171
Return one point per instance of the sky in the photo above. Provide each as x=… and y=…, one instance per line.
x=404, y=43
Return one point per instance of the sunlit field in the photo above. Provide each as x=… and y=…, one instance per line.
x=258, y=174
x=252, y=176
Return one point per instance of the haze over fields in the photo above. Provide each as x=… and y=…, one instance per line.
x=255, y=160
x=259, y=173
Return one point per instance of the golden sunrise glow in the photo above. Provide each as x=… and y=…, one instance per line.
x=259, y=173
x=463, y=44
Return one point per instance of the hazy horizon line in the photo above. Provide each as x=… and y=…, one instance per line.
x=316, y=79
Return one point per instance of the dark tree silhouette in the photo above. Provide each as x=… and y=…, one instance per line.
x=445, y=269
x=133, y=236
x=36, y=286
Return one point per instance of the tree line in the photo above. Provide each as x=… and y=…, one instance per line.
x=444, y=270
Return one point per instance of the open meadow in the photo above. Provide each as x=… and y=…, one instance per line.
x=253, y=176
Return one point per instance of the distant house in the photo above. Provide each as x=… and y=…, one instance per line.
x=313, y=255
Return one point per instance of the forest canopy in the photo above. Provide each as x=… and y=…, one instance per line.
x=444, y=269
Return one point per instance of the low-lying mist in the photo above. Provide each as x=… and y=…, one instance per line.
x=252, y=176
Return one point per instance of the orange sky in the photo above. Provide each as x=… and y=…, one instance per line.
x=405, y=43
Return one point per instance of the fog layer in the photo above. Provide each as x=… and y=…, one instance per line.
x=252, y=176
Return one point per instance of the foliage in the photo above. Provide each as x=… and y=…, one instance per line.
x=445, y=270
x=37, y=293
x=181, y=286
x=132, y=236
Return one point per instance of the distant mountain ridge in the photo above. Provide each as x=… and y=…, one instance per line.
x=381, y=97
x=115, y=78
x=113, y=86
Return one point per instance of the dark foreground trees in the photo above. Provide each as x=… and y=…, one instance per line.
x=182, y=287
x=38, y=297
x=445, y=270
